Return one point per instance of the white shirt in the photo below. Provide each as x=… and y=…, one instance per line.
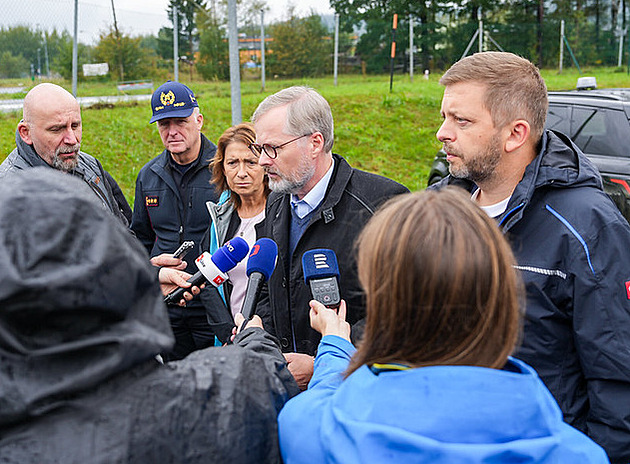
x=495, y=210
x=238, y=275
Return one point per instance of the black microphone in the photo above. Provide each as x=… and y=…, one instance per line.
x=321, y=273
x=260, y=265
x=213, y=268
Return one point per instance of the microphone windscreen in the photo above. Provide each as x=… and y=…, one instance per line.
x=229, y=255
x=263, y=257
x=319, y=263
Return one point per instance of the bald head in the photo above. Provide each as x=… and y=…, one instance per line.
x=52, y=125
x=44, y=98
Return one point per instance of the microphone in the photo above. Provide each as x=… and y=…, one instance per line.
x=321, y=273
x=260, y=265
x=213, y=268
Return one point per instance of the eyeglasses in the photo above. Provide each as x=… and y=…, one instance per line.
x=271, y=150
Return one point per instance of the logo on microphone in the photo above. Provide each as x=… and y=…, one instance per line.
x=229, y=246
x=218, y=280
x=255, y=250
x=321, y=261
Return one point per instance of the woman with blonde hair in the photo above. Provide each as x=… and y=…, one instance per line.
x=432, y=379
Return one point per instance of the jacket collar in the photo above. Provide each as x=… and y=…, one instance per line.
x=28, y=153
x=559, y=163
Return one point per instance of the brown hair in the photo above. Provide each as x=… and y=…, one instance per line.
x=440, y=284
x=514, y=87
x=243, y=133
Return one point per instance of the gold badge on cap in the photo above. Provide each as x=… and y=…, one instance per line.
x=167, y=98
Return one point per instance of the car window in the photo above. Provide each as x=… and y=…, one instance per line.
x=558, y=118
x=600, y=131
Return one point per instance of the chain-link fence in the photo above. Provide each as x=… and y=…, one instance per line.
x=137, y=43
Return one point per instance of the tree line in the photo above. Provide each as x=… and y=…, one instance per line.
x=303, y=46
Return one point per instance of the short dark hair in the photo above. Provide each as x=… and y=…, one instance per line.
x=514, y=87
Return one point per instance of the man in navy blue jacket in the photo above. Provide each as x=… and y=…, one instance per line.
x=571, y=243
x=170, y=201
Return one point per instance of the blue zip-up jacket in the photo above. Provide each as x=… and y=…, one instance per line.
x=437, y=415
x=572, y=246
x=162, y=220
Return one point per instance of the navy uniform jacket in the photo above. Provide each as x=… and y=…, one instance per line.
x=162, y=219
x=572, y=246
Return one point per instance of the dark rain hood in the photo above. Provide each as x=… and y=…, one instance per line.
x=79, y=301
x=81, y=320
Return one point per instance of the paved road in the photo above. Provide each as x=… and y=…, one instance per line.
x=16, y=105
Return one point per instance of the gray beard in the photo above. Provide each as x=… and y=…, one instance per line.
x=68, y=165
x=294, y=183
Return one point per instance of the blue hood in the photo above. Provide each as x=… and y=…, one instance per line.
x=441, y=414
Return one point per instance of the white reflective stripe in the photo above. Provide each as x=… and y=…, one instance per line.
x=538, y=270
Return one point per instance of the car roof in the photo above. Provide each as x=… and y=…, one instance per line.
x=618, y=94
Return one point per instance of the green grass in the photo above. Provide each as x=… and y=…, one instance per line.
x=392, y=134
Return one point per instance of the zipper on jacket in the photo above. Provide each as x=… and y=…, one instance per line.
x=511, y=213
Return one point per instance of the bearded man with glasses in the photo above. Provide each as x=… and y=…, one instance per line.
x=317, y=201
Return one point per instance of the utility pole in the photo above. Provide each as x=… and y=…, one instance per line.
x=175, y=45
x=410, y=48
x=561, y=46
x=119, y=43
x=235, y=64
x=75, y=48
x=336, y=59
x=262, y=49
x=46, y=54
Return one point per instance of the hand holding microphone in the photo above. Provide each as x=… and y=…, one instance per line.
x=321, y=273
x=328, y=311
x=260, y=265
x=213, y=268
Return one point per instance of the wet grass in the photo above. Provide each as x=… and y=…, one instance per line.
x=392, y=134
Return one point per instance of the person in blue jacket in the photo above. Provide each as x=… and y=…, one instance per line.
x=170, y=202
x=432, y=380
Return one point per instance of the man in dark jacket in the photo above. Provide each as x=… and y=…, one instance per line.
x=170, y=201
x=317, y=201
x=571, y=243
x=49, y=135
x=81, y=321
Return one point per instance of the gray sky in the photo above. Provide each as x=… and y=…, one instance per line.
x=134, y=17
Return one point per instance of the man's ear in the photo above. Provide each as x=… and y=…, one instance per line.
x=25, y=132
x=317, y=142
x=518, y=135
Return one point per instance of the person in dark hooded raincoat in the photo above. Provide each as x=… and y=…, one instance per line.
x=81, y=321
